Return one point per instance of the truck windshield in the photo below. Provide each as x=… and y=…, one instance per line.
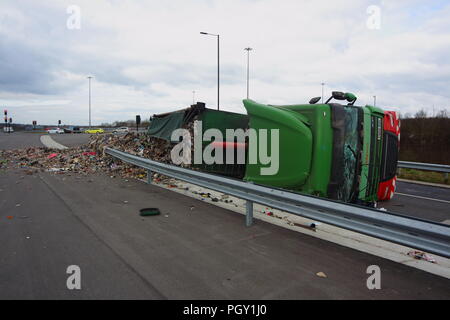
x=346, y=122
x=347, y=189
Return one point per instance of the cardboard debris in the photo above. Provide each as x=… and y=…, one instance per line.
x=90, y=158
x=420, y=255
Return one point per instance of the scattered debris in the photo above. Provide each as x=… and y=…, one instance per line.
x=149, y=212
x=420, y=255
x=321, y=274
x=90, y=158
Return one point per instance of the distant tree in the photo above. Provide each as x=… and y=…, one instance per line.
x=129, y=123
x=420, y=114
x=442, y=114
x=406, y=116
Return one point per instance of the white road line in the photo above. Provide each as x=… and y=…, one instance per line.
x=432, y=199
x=439, y=185
x=50, y=143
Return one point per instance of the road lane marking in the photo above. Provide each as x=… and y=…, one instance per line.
x=432, y=199
x=50, y=143
x=431, y=184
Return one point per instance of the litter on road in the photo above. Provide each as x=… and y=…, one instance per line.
x=420, y=255
x=91, y=158
x=150, y=212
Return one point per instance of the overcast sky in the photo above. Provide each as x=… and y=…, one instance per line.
x=147, y=57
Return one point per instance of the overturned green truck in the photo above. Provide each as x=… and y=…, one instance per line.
x=330, y=150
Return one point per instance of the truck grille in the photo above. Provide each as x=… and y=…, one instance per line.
x=375, y=156
x=390, y=156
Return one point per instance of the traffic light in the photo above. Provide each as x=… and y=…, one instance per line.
x=138, y=122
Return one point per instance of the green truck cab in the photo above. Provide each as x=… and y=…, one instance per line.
x=328, y=150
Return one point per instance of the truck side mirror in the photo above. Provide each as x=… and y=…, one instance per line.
x=350, y=97
x=338, y=95
x=314, y=100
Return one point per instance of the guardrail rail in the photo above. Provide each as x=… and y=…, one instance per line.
x=412, y=232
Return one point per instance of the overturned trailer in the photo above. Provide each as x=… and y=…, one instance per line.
x=329, y=150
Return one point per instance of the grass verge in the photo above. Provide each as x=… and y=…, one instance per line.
x=426, y=176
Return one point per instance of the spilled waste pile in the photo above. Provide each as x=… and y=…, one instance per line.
x=91, y=157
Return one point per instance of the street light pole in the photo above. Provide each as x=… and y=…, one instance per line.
x=218, y=71
x=218, y=65
x=248, y=68
x=193, y=97
x=90, y=77
x=374, y=101
x=322, y=90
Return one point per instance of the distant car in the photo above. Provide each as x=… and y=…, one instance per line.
x=94, y=130
x=8, y=129
x=72, y=130
x=121, y=130
x=55, y=130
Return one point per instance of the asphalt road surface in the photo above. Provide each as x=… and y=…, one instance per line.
x=411, y=199
x=71, y=139
x=193, y=250
x=420, y=201
x=19, y=140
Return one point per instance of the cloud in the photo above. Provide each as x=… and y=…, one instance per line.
x=149, y=56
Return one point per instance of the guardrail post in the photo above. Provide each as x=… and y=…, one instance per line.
x=446, y=177
x=249, y=213
x=149, y=176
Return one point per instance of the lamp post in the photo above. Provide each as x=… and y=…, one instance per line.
x=374, y=101
x=90, y=77
x=193, y=97
x=323, y=83
x=248, y=67
x=218, y=65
